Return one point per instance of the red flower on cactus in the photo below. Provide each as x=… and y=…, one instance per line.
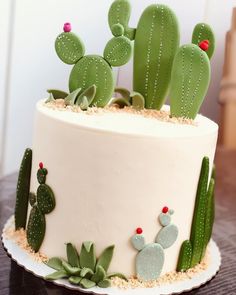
x=165, y=209
x=204, y=45
x=139, y=230
x=41, y=165
x=67, y=27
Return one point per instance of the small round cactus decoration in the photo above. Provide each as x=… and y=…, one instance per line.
x=67, y=27
x=150, y=259
x=204, y=45
x=42, y=203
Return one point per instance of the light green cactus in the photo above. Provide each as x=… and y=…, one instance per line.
x=193, y=250
x=190, y=78
x=150, y=259
x=156, y=43
x=84, y=269
x=93, y=69
x=203, y=32
x=23, y=190
x=42, y=203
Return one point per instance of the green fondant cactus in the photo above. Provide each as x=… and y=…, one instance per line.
x=190, y=78
x=156, y=43
x=93, y=69
x=193, y=250
x=43, y=203
x=150, y=259
x=23, y=190
x=203, y=33
x=57, y=93
x=84, y=269
x=118, y=18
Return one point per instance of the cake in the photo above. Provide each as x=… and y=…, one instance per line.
x=126, y=182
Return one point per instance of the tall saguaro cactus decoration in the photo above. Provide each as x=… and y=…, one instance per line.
x=156, y=42
x=189, y=81
x=22, y=192
x=93, y=69
x=193, y=250
x=42, y=204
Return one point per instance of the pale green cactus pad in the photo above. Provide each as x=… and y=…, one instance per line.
x=203, y=32
x=93, y=70
x=23, y=190
x=164, y=219
x=69, y=48
x=189, y=81
x=119, y=13
x=149, y=262
x=167, y=236
x=118, y=51
x=138, y=242
x=87, y=255
x=156, y=42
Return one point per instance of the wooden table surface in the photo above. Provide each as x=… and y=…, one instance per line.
x=16, y=281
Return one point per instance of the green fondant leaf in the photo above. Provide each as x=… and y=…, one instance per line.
x=105, y=259
x=50, y=98
x=84, y=104
x=118, y=275
x=71, y=270
x=55, y=263
x=75, y=280
x=45, y=198
x=137, y=100
x=104, y=284
x=125, y=93
x=86, y=284
x=121, y=102
x=87, y=258
x=23, y=189
x=71, y=98
x=86, y=273
x=99, y=275
x=90, y=93
x=57, y=93
x=57, y=275
x=72, y=255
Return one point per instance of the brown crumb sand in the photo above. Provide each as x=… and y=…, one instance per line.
x=19, y=237
x=161, y=115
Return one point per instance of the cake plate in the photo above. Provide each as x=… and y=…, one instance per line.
x=39, y=269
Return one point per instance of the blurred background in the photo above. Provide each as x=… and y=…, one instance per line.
x=29, y=65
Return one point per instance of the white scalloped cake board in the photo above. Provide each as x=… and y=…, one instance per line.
x=22, y=258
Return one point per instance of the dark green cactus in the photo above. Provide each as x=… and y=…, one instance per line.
x=185, y=256
x=119, y=14
x=156, y=42
x=198, y=223
x=189, y=81
x=203, y=32
x=22, y=191
x=36, y=228
x=84, y=269
x=43, y=203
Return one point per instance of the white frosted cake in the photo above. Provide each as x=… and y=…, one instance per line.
x=118, y=188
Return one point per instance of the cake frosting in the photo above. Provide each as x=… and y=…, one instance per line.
x=113, y=172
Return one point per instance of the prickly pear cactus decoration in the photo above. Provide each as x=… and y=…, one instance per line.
x=118, y=18
x=42, y=203
x=23, y=190
x=84, y=269
x=190, y=79
x=193, y=250
x=93, y=69
x=150, y=259
x=203, y=33
x=156, y=43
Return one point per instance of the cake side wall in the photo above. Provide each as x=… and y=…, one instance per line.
x=106, y=185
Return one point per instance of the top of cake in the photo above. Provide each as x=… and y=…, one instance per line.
x=161, y=67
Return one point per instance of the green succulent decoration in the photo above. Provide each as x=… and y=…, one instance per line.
x=42, y=203
x=193, y=250
x=84, y=269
